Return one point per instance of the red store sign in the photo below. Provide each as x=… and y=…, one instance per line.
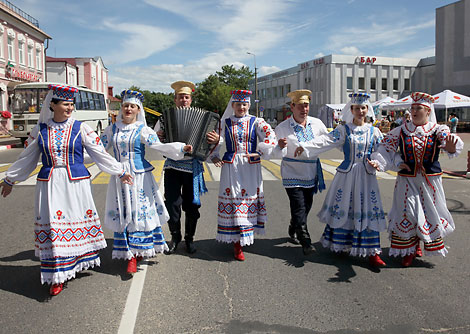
x=21, y=75
x=366, y=60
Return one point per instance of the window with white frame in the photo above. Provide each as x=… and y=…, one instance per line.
x=21, y=52
x=30, y=57
x=11, y=49
x=38, y=57
x=2, y=30
x=30, y=47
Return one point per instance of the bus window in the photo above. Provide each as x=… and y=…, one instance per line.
x=78, y=102
x=102, y=101
x=96, y=100
x=84, y=98
x=90, y=101
x=25, y=101
x=42, y=95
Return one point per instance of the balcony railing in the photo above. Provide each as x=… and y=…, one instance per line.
x=21, y=13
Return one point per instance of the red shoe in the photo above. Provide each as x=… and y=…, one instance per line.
x=407, y=260
x=238, y=253
x=376, y=261
x=132, y=266
x=419, y=252
x=55, y=289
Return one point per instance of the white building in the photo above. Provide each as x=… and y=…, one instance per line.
x=80, y=71
x=331, y=78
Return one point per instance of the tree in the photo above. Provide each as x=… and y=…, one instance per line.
x=237, y=78
x=156, y=101
x=213, y=93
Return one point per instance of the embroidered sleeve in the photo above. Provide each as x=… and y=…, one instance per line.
x=324, y=142
x=107, y=136
x=266, y=138
x=171, y=150
x=390, y=140
x=97, y=152
x=26, y=163
x=443, y=133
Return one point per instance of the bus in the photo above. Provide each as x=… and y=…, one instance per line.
x=25, y=106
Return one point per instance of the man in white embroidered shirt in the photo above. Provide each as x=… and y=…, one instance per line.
x=301, y=177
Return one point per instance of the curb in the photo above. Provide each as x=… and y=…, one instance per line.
x=7, y=147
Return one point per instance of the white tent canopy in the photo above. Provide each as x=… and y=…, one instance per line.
x=450, y=99
x=383, y=101
x=329, y=112
x=401, y=104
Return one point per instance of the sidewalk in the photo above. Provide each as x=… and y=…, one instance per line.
x=7, y=142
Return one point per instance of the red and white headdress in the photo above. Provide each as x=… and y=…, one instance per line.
x=426, y=100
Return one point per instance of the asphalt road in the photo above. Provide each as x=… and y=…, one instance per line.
x=276, y=290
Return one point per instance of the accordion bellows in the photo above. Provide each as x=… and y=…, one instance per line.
x=190, y=126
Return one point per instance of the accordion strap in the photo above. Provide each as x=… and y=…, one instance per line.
x=199, y=186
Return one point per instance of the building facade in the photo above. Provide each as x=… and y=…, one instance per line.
x=79, y=71
x=22, y=50
x=331, y=78
x=453, y=48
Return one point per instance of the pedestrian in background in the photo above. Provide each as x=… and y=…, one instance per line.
x=419, y=211
x=135, y=213
x=352, y=210
x=67, y=228
x=453, y=120
x=241, y=203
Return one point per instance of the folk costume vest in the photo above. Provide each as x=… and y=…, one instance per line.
x=136, y=153
x=349, y=150
x=73, y=151
x=420, y=154
x=234, y=132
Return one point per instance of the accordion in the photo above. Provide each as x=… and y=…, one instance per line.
x=190, y=126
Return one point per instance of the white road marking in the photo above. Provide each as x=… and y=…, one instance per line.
x=129, y=315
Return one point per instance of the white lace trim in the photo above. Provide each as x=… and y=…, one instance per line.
x=55, y=125
x=61, y=277
x=123, y=126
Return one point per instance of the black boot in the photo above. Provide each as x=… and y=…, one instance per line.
x=305, y=241
x=292, y=237
x=189, y=231
x=173, y=244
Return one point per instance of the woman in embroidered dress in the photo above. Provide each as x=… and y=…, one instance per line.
x=352, y=210
x=241, y=207
x=135, y=213
x=419, y=210
x=67, y=228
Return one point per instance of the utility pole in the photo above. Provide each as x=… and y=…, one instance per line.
x=256, y=85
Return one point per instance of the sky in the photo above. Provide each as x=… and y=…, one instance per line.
x=152, y=43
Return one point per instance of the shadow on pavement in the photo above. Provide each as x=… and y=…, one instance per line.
x=279, y=248
x=23, y=280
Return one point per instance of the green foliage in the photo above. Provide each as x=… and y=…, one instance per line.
x=213, y=93
x=156, y=101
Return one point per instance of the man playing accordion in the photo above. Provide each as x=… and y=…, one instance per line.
x=183, y=181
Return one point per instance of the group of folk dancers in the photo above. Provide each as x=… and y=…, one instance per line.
x=68, y=233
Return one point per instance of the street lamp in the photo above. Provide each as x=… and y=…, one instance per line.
x=256, y=83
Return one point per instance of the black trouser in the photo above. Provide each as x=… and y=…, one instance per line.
x=179, y=193
x=301, y=200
